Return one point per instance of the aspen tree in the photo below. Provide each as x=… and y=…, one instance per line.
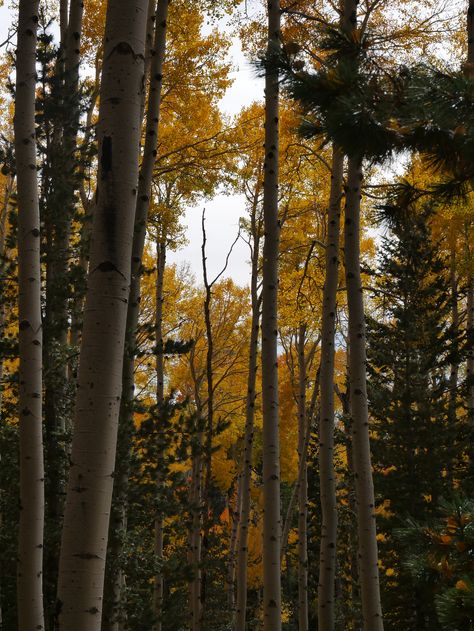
x=271, y=447
x=365, y=500
x=160, y=379
x=364, y=486
x=327, y=474
x=30, y=537
x=469, y=70
x=246, y=476
x=470, y=349
x=303, y=486
x=89, y=493
x=157, y=53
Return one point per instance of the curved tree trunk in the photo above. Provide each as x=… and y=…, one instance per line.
x=327, y=474
x=30, y=536
x=368, y=554
x=89, y=494
x=271, y=447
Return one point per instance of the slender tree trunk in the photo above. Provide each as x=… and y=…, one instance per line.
x=303, y=487
x=368, y=554
x=311, y=415
x=470, y=38
x=327, y=474
x=470, y=345
x=234, y=541
x=209, y=430
x=115, y=582
x=246, y=479
x=195, y=502
x=30, y=536
x=3, y=253
x=195, y=539
x=158, y=584
x=454, y=369
x=63, y=15
x=89, y=494
x=271, y=447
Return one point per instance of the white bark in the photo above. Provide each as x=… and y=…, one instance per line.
x=327, y=474
x=470, y=346
x=246, y=476
x=271, y=447
x=368, y=554
x=303, y=487
x=158, y=583
x=89, y=494
x=30, y=536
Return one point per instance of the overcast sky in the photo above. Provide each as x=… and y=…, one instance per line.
x=223, y=211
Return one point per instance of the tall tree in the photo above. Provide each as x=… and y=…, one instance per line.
x=89, y=493
x=245, y=478
x=412, y=346
x=365, y=499
x=271, y=448
x=144, y=196
x=30, y=539
x=327, y=559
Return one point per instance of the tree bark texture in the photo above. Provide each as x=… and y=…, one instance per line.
x=470, y=36
x=158, y=584
x=470, y=346
x=141, y=215
x=303, y=486
x=246, y=479
x=368, y=554
x=271, y=447
x=327, y=474
x=89, y=493
x=30, y=536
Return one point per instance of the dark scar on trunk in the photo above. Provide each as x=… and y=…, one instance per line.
x=109, y=200
x=106, y=157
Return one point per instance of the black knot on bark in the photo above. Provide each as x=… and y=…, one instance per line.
x=124, y=48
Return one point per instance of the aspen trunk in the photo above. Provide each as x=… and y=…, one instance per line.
x=89, y=493
x=158, y=584
x=30, y=536
x=311, y=414
x=271, y=447
x=470, y=37
x=327, y=474
x=141, y=214
x=368, y=554
x=209, y=429
x=303, y=487
x=3, y=253
x=470, y=346
x=195, y=502
x=246, y=479
x=195, y=540
x=234, y=540
x=454, y=369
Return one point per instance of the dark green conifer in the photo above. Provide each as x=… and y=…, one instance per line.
x=411, y=345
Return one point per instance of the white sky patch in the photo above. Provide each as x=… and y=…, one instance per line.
x=224, y=210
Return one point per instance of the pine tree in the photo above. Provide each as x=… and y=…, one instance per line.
x=410, y=352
